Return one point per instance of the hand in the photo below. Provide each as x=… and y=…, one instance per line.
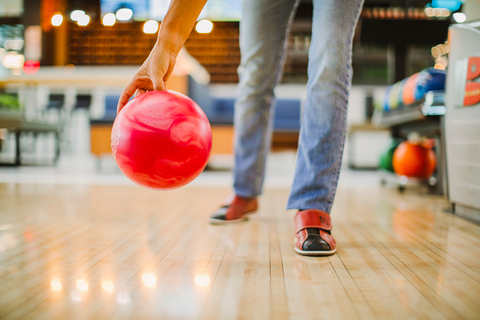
x=152, y=75
x=174, y=31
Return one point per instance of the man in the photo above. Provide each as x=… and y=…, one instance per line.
x=263, y=33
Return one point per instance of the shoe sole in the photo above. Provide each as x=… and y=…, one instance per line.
x=315, y=253
x=223, y=222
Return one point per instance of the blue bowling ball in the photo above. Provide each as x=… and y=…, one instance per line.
x=428, y=80
x=386, y=99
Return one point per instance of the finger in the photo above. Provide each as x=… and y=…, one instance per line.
x=142, y=83
x=126, y=94
x=159, y=85
x=139, y=92
x=167, y=75
x=169, y=72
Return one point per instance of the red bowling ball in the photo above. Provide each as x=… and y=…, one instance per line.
x=161, y=140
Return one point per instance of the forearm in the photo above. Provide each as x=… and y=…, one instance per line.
x=174, y=31
x=178, y=23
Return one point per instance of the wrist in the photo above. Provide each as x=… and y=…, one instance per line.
x=169, y=41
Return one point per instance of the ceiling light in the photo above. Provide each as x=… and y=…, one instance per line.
x=57, y=20
x=124, y=14
x=204, y=26
x=76, y=14
x=151, y=26
x=109, y=19
x=83, y=20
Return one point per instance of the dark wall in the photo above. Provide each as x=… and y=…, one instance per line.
x=91, y=7
x=31, y=12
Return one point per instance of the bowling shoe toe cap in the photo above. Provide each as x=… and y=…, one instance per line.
x=314, y=242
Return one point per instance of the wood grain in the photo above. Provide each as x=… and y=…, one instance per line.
x=121, y=252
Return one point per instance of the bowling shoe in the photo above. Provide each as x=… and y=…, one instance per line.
x=312, y=233
x=236, y=211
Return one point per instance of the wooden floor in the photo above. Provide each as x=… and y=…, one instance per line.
x=103, y=252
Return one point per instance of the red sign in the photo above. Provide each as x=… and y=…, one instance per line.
x=472, y=88
x=31, y=66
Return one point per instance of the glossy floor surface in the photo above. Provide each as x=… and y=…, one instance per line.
x=122, y=252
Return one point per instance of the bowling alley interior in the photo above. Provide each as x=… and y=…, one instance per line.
x=81, y=239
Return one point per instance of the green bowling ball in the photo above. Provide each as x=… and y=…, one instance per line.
x=386, y=156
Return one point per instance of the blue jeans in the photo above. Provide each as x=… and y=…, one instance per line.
x=263, y=33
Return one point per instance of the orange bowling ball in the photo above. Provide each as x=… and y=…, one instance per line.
x=414, y=160
x=408, y=94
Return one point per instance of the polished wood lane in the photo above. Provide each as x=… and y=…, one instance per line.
x=121, y=252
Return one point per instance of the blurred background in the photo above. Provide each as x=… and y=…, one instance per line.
x=64, y=63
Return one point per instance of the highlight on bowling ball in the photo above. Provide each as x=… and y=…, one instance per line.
x=161, y=140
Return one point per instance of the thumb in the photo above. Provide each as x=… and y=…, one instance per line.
x=159, y=85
